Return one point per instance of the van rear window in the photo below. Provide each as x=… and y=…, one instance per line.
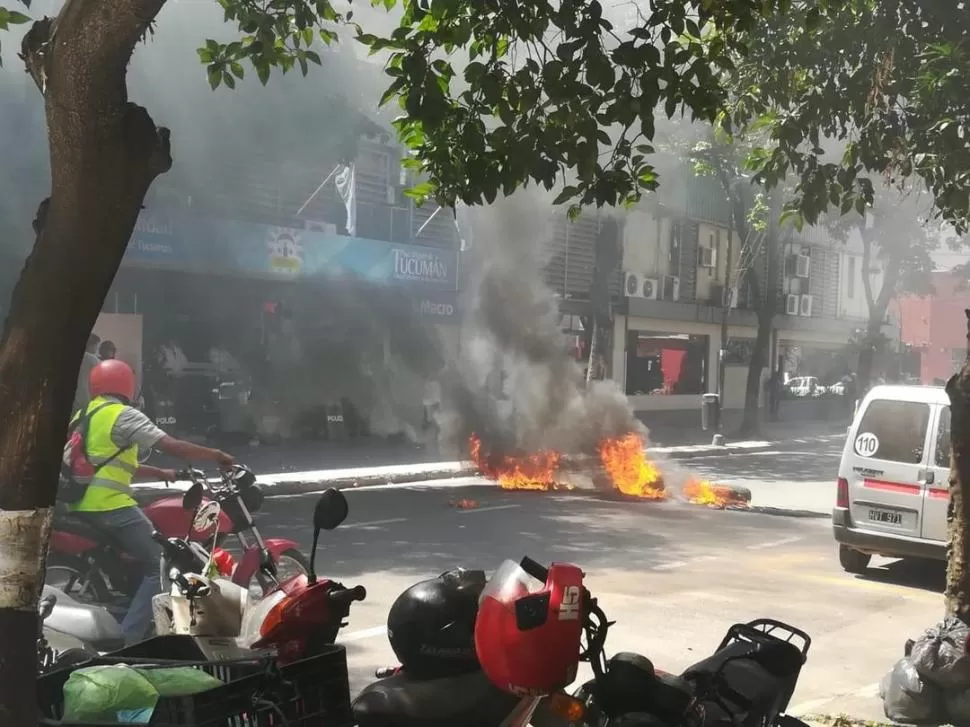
x=896, y=429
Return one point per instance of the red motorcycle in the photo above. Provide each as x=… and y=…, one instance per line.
x=297, y=619
x=86, y=564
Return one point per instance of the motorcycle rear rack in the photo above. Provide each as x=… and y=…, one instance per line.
x=765, y=630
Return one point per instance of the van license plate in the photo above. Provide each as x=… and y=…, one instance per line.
x=886, y=517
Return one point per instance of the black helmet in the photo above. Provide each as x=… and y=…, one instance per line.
x=431, y=626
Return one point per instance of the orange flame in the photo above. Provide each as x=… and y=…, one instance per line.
x=703, y=492
x=529, y=472
x=629, y=470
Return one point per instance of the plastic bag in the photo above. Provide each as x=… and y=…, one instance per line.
x=940, y=654
x=957, y=707
x=100, y=693
x=907, y=698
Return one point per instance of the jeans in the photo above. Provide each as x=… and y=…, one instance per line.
x=131, y=530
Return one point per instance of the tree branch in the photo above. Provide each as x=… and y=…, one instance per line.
x=94, y=43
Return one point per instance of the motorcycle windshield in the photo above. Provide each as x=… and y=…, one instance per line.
x=510, y=583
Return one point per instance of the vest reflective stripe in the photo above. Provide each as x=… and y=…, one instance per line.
x=110, y=488
x=115, y=463
x=98, y=481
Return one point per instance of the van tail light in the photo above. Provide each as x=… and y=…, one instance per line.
x=842, y=493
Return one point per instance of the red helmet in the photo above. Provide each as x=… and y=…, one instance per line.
x=527, y=633
x=112, y=377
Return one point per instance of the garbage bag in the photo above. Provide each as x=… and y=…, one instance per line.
x=103, y=693
x=957, y=704
x=909, y=699
x=940, y=654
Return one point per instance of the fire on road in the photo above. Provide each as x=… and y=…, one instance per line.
x=623, y=466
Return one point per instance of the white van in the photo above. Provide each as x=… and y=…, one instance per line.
x=893, y=485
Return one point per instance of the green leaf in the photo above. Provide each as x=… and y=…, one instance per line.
x=262, y=71
x=566, y=194
x=215, y=76
x=15, y=18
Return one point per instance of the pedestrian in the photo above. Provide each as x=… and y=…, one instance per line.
x=773, y=390
x=102, y=464
x=107, y=351
x=90, y=360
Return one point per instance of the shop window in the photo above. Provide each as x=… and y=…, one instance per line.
x=660, y=364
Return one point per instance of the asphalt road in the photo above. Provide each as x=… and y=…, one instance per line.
x=674, y=576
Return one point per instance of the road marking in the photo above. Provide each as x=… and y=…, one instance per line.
x=674, y=564
x=489, y=508
x=362, y=634
x=870, y=690
x=775, y=543
x=375, y=523
x=902, y=591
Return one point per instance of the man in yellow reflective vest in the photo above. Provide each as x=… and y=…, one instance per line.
x=115, y=433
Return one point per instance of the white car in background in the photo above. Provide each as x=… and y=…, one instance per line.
x=893, y=488
x=801, y=386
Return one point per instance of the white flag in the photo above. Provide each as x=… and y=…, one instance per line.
x=463, y=225
x=345, y=180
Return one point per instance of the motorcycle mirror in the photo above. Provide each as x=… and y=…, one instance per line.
x=145, y=455
x=192, y=498
x=331, y=510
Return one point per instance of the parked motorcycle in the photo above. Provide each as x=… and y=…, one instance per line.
x=86, y=563
x=431, y=629
x=747, y=682
x=70, y=632
x=297, y=619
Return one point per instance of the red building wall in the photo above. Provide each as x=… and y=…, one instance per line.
x=936, y=325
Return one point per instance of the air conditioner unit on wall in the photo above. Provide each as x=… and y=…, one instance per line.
x=803, y=265
x=633, y=285
x=651, y=288
x=671, y=288
x=805, y=306
x=791, y=305
x=708, y=258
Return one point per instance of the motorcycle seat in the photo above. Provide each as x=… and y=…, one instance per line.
x=90, y=623
x=469, y=700
x=68, y=523
x=759, y=678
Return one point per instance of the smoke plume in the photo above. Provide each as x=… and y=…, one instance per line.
x=514, y=384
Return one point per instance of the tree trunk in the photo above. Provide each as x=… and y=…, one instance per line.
x=104, y=154
x=958, y=548
x=767, y=304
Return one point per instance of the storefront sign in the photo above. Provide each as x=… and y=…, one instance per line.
x=413, y=265
x=243, y=248
x=438, y=308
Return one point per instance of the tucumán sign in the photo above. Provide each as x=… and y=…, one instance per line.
x=419, y=266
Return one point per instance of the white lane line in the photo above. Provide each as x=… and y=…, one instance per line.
x=489, y=508
x=374, y=523
x=362, y=634
x=775, y=543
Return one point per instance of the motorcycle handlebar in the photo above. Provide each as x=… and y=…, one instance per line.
x=346, y=596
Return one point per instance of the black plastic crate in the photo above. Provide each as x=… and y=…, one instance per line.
x=309, y=693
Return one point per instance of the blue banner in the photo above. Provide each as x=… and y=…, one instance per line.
x=243, y=248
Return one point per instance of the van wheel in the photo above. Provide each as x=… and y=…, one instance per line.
x=852, y=560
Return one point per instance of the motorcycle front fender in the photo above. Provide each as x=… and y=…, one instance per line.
x=251, y=560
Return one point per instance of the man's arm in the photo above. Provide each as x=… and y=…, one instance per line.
x=133, y=427
x=189, y=451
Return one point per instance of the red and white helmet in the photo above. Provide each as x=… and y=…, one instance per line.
x=528, y=630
